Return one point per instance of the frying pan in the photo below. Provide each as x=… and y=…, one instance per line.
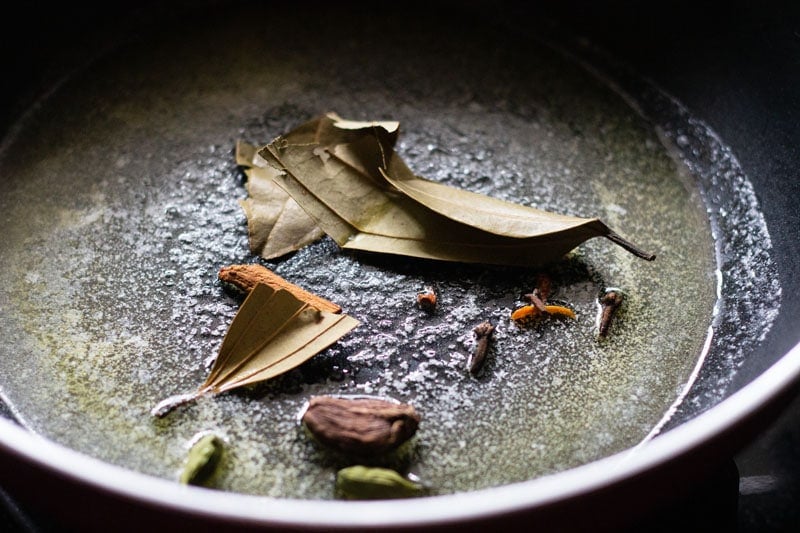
x=743, y=89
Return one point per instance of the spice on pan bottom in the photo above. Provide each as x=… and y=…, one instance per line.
x=609, y=302
x=483, y=334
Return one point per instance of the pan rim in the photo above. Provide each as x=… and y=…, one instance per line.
x=753, y=399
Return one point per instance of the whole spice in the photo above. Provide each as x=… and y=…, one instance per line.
x=609, y=303
x=541, y=293
x=276, y=224
x=426, y=300
x=372, y=483
x=529, y=313
x=245, y=277
x=538, y=307
x=366, y=198
x=272, y=333
x=360, y=426
x=483, y=333
x=204, y=456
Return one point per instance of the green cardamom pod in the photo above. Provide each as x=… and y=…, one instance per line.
x=373, y=483
x=204, y=456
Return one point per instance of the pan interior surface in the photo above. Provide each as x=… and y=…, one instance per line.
x=119, y=199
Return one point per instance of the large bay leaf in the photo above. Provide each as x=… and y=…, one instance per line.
x=272, y=333
x=276, y=224
x=346, y=175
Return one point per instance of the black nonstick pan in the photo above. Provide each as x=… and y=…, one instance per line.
x=119, y=199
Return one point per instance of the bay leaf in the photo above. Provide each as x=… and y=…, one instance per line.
x=348, y=178
x=360, y=213
x=272, y=333
x=276, y=224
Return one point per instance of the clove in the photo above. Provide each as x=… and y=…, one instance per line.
x=609, y=303
x=536, y=300
x=483, y=333
x=540, y=293
x=538, y=307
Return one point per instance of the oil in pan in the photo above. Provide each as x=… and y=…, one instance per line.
x=119, y=204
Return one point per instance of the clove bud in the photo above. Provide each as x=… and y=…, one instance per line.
x=483, y=333
x=540, y=293
x=609, y=303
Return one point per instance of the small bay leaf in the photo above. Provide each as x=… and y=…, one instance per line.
x=365, y=197
x=272, y=333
